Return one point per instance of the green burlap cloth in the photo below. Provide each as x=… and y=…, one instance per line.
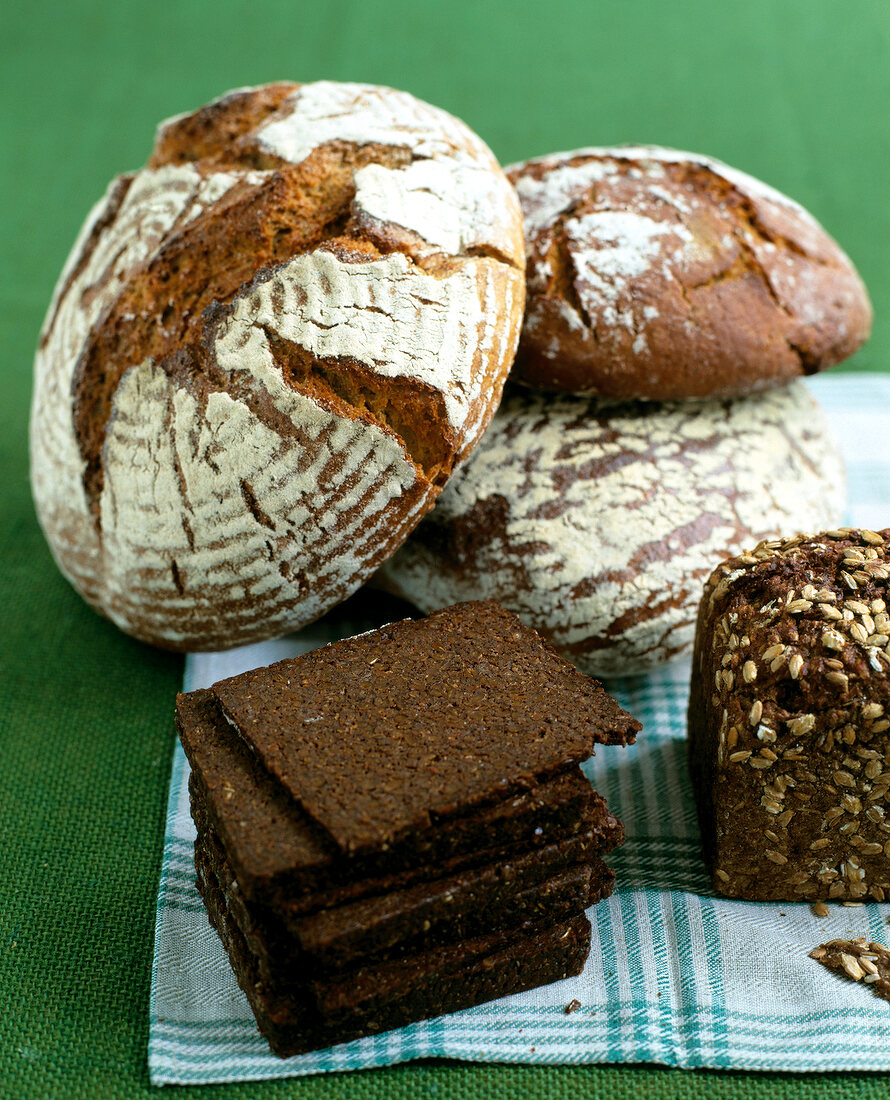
x=795, y=91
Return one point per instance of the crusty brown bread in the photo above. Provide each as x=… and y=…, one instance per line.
x=789, y=719
x=266, y=354
x=659, y=274
x=597, y=522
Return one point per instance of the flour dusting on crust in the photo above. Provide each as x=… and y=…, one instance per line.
x=659, y=274
x=266, y=453
x=597, y=523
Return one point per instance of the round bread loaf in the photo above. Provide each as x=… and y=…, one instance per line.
x=658, y=274
x=597, y=522
x=266, y=354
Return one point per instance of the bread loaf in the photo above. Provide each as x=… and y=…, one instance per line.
x=659, y=274
x=266, y=354
x=598, y=522
x=789, y=719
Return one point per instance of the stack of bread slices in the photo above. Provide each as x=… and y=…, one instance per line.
x=445, y=860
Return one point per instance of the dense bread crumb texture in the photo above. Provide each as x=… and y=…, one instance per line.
x=266, y=354
x=858, y=959
x=506, y=896
x=279, y=854
x=552, y=884
x=396, y=825
x=789, y=719
x=297, y=1018
x=402, y=728
x=598, y=522
x=660, y=274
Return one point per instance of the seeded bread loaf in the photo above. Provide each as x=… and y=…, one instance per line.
x=266, y=354
x=659, y=274
x=789, y=719
x=598, y=522
x=281, y=857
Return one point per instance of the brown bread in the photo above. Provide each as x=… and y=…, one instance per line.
x=659, y=274
x=789, y=719
x=266, y=354
x=384, y=996
x=598, y=521
x=396, y=825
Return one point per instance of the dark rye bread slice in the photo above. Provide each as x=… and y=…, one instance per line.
x=380, y=998
x=596, y=833
x=421, y=984
x=280, y=856
x=505, y=896
x=559, y=898
x=552, y=882
x=394, y=731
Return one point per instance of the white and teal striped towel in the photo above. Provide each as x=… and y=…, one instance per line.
x=675, y=974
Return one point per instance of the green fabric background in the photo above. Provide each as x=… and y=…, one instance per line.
x=794, y=91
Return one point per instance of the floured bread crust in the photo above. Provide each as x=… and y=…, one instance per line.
x=267, y=353
x=597, y=522
x=659, y=274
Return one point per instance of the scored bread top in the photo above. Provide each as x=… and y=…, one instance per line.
x=416, y=721
x=266, y=354
x=598, y=521
x=660, y=274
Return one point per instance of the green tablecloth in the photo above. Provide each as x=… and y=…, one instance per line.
x=795, y=91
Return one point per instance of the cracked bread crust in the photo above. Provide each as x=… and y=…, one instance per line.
x=658, y=274
x=597, y=522
x=267, y=353
x=789, y=719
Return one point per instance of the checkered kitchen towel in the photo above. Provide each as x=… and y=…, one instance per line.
x=675, y=974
